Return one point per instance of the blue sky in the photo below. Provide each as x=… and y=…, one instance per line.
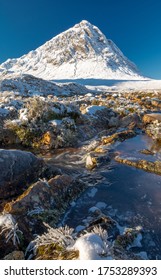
x=134, y=25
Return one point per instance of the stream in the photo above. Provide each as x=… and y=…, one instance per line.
x=130, y=196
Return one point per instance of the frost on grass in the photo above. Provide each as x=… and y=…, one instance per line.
x=10, y=229
x=93, y=245
x=63, y=236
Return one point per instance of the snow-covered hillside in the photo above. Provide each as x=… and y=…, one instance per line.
x=28, y=85
x=80, y=52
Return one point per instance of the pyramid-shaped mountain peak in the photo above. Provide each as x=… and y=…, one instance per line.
x=82, y=51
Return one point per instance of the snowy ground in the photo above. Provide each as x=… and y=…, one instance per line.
x=116, y=85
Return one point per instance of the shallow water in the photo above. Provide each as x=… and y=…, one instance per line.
x=133, y=146
x=131, y=196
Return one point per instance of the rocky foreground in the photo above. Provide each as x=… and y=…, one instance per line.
x=35, y=193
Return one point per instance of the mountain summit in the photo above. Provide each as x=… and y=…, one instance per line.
x=80, y=52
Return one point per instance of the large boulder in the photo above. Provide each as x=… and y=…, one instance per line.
x=18, y=168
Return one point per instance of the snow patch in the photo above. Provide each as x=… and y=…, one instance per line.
x=92, y=192
x=91, y=247
x=55, y=122
x=101, y=205
x=91, y=110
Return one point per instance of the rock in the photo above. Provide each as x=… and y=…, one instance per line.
x=154, y=167
x=106, y=223
x=94, y=211
x=148, y=118
x=146, y=152
x=18, y=168
x=15, y=255
x=40, y=197
x=44, y=201
x=99, y=117
x=119, y=136
x=156, y=102
x=94, y=110
x=62, y=135
x=132, y=237
x=8, y=137
x=152, y=124
x=126, y=239
x=129, y=119
x=47, y=140
x=154, y=130
x=120, y=253
x=91, y=146
x=91, y=162
x=113, y=122
x=100, y=149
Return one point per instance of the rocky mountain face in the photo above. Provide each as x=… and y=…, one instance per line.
x=80, y=52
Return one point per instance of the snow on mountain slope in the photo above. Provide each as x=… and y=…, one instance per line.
x=80, y=52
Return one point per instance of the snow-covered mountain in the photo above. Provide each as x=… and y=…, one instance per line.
x=80, y=52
